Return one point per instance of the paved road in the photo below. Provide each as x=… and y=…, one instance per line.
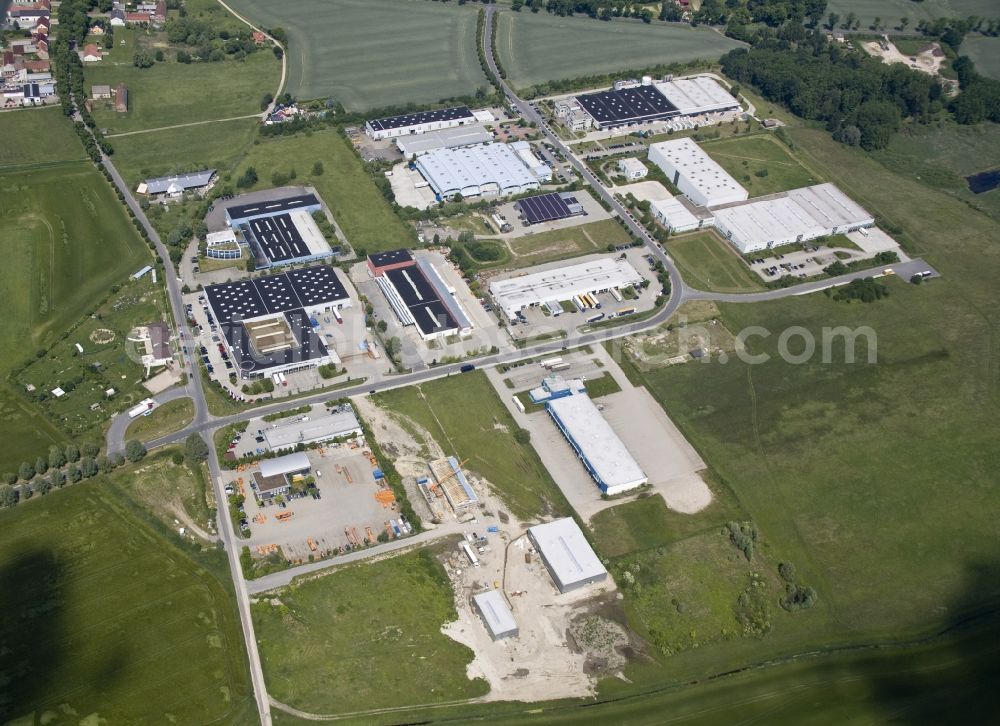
x=115, y=437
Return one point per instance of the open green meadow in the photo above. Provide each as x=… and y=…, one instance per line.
x=35, y=137
x=171, y=416
x=176, y=93
x=707, y=262
x=985, y=53
x=537, y=249
x=761, y=163
x=534, y=48
x=375, y=53
x=891, y=11
x=468, y=420
x=107, y=618
x=362, y=637
x=65, y=240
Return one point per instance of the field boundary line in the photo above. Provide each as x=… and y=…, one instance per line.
x=181, y=126
x=284, y=55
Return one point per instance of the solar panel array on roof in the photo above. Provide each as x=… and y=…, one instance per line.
x=277, y=237
x=248, y=299
x=548, y=207
x=392, y=257
x=421, y=117
x=429, y=313
x=629, y=105
x=270, y=207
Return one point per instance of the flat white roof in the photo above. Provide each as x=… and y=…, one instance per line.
x=495, y=612
x=630, y=163
x=213, y=239
x=597, y=442
x=676, y=214
x=466, y=135
x=321, y=428
x=449, y=171
x=284, y=464
x=809, y=212
x=562, y=283
x=699, y=169
x=566, y=550
x=697, y=95
x=310, y=232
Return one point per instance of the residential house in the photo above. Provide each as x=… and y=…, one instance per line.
x=100, y=91
x=117, y=18
x=137, y=18
x=259, y=37
x=160, y=14
x=96, y=29
x=91, y=53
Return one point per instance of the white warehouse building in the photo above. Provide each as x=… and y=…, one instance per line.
x=488, y=170
x=564, y=283
x=693, y=96
x=468, y=135
x=795, y=216
x=674, y=215
x=695, y=173
x=566, y=553
x=418, y=123
x=632, y=168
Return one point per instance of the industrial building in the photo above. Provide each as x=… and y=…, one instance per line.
x=175, y=186
x=795, y=216
x=564, y=283
x=412, y=146
x=265, y=322
x=548, y=208
x=567, y=555
x=633, y=102
x=600, y=450
x=632, y=168
x=275, y=476
x=418, y=295
x=451, y=480
x=554, y=386
x=338, y=424
x=699, y=177
x=496, y=614
x=419, y=123
x=487, y=170
x=225, y=245
x=677, y=216
x=280, y=231
x=572, y=115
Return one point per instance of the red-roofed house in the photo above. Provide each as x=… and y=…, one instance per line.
x=137, y=18
x=91, y=53
x=121, y=98
x=160, y=16
x=36, y=66
x=259, y=37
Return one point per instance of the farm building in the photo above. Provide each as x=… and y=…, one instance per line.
x=175, y=186
x=567, y=555
x=496, y=614
x=418, y=295
x=121, y=98
x=539, y=288
x=280, y=231
x=340, y=423
x=100, y=91
x=266, y=321
x=488, y=170
x=632, y=168
x=275, y=476
x=419, y=123
x=469, y=135
x=600, y=450
x=798, y=215
x=676, y=216
x=699, y=177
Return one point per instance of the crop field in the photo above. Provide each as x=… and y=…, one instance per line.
x=761, y=163
x=65, y=241
x=365, y=637
x=375, y=53
x=891, y=11
x=534, y=48
x=468, y=420
x=172, y=93
x=985, y=53
x=19, y=129
x=709, y=263
x=108, y=619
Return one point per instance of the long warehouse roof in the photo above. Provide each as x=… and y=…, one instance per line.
x=562, y=283
x=452, y=170
x=697, y=95
x=315, y=429
x=698, y=169
x=566, y=550
x=467, y=135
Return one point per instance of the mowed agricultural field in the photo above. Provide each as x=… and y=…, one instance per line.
x=892, y=10
x=558, y=244
x=375, y=53
x=107, y=619
x=365, y=637
x=37, y=136
x=466, y=417
x=172, y=93
x=985, y=53
x=744, y=156
x=534, y=48
x=709, y=263
x=65, y=240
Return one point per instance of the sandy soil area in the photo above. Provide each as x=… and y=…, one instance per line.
x=928, y=61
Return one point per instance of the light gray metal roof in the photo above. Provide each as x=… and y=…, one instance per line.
x=566, y=550
x=193, y=180
x=499, y=619
x=321, y=428
x=284, y=464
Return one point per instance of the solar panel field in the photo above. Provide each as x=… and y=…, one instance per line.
x=375, y=53
x=536, y=48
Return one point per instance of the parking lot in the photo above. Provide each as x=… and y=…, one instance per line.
x=812, y=258
x=594, y=213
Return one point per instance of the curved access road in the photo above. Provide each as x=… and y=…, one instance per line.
x=115, y=437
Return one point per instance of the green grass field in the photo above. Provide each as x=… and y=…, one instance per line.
x=365, y=637
x=176, y=93
x=20, y=129
x=171, y=416
x=536, y=48
x=985, y=53
x=65, y=240
x=744, y=156
x=108, y=619
x=709, y=263
x=468, y=420
x=536, y=249
x=892, y=10
x=375, y=53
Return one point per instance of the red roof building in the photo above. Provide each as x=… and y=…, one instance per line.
x=259, y=37
x=139, y=18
